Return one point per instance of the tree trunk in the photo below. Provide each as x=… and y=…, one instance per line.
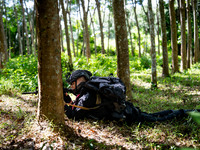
x=165, y=71
x=196, y=53
x=175, y=67
x=183, y=35
x=6, y=33
x=87, y=35
x=158, y=30
x=25, y=28
x=18, y=32
x=61, y=37
x=108, y=48
x=129, y=31
x=101, y=26
x=70, y=23
x=34, y=36
x=3, y=48
x=138, y=29
x=189, y=35
x=153, y=52
x=92, y=22
x=9, y=42
x=49, y=62
x=66, y=32
x=123, y=70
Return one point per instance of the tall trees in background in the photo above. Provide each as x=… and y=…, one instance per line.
x=196, y=40
x=25, y=28
x=183, y=35
x=66, y=31
x=175, y=67
x=49, y=62
x=81, y=29
x=189, y=35
x=121, y=40
x=3, y=48
x=153, y=51
x=101, y=27
x=130, y=33
x=138, y=27
x=87, y=34
x=165, y=71
x=18, y=32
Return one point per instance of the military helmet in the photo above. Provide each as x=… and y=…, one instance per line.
x=70, y=78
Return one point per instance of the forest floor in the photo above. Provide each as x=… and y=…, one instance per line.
x=20, y=130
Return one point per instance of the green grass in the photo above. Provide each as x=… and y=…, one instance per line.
x=179, y=91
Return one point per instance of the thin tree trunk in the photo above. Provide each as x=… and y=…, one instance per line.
x=129, y=31
x=19, y=34
x=101, y=26
x=25, y=28
x=108, y=47
x=61, y=32
x=153, y=52
x=61, y=38
x=165, y=71
x=87, y=35
x=138, y=28
x=70, y=23
x=158, y=26
x=50, y=103
x=5, y=33
x=189, y=35
x=196, y=53
x=123, y=70
x=34, y=34
x=66, y=33
x=3, y=48
x=83, y=26
x=175, y=67
x=183, y=35
x=9, y=42
x=92, y=22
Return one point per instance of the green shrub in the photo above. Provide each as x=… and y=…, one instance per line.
x=20, y=73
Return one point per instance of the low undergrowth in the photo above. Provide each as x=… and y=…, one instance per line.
x=19, y=127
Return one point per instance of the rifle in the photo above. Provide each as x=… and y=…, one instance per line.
x=36, y=92
x=65, y=90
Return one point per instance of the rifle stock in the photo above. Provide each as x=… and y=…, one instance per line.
x=65, y=90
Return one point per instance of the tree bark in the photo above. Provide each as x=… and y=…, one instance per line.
x=129, y=31
x=175, y=67
x=138, y=29
x=70, y=24
x=101, y=26
x=123, y=70
x=189, y=35
x=108, y=47
x=49, y=62
x=153, y=52
x=25, y=28
x=158, y=30
x=92, y=22
x=3, y=48
x=183, y=35
x=165, y=71
x=196, y=40
x=66, y=33
x=87, y=35
x=19, y=34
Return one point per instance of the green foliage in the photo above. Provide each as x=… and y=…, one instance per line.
x=20, y=73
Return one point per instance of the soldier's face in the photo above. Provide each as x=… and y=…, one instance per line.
x=78, y=81
x=73, y=85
